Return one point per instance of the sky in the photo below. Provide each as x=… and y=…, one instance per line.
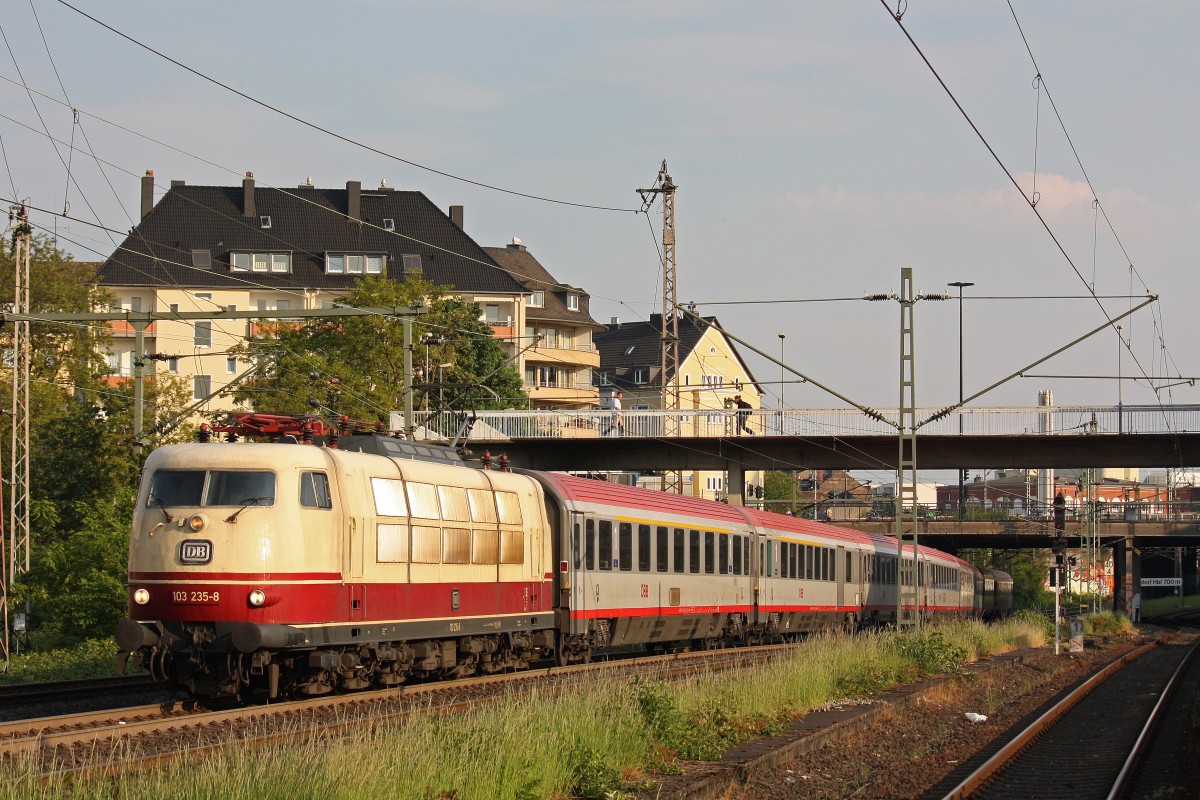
x=814, y=151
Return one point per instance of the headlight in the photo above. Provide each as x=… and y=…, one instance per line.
x=141, y=596
x=197, y=522
x=257, y=597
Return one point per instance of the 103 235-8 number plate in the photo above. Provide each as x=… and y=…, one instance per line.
x=195, y=596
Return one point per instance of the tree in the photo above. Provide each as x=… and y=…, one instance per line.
x=354, y=366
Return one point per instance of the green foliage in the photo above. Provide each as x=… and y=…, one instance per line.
x=1036, y=619
x=591, y=774
x=932, y=654
x=358, y=362
x=1107, y=623
x=89, y=659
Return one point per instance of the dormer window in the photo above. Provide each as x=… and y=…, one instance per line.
x=260, y=262
x=641, y=376
x=537, y=300
x=354, y=264
x=264, y=222
x=572, y=302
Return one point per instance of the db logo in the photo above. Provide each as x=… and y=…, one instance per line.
x=195, y=551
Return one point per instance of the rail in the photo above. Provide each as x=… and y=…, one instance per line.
x=817, y=422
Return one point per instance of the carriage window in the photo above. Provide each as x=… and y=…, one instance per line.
x=456, y=546
x=766, y=560
x=624, y=546
x=575, y=544
x=389, y=497
x=483, y=505
x=422, y=499
x=678, y=549
x=661, y=549
x=239, y=488
x=709, y=560
x=745, y=555
x=176, y=488
x=454, y=503
x=314, y=490
x=809, y=558
x=693, y=551
x=795, y=559
x=512, y=547
x=605, y=544
x=737, y=555
x=723, y=554
x=643, y=548
x=590, y=559
x=391, y=543
x=426, y=544
x=485, y=547
x=510, y=507
x=849, y=565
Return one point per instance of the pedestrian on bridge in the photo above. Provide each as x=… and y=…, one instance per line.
x=743, y=415
x=616, y=427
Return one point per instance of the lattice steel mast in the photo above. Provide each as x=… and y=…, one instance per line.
x=669, y=363
x=18, y=497
x=908, y=572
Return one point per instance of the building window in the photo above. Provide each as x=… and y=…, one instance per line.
x=202, y=259
x=204, y=295
x=541, y=376
x=354, y=264
x=714, y=483
x=264, y=222
x=389, y=224
x=201, y=386
x=549, y=338
x=202, y=336
x=712, y=381
x=172, y=365
x=641, y=375
x=135, y=304
x=537, y=300
x=260, y=262
x=572, y=302
x=410, y=262
x=114, y=363
x=231, y=365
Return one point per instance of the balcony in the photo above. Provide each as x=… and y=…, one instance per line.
x=121, y=329
x=563, y=394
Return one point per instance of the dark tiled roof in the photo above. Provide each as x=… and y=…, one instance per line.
x=534, y=277
x=307, y=222
x=627, y=346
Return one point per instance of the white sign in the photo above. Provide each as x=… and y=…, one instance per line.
x=1162, y=581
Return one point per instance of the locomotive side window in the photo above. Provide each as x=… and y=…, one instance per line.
x=605, y=544
x=737, y=555
x=709, y=559
x=679, y=549
x=485, y=547
x=456, y=546
x=693, y=551
x=391, y=543
x=422, y=499
x=723, y=554
x=176, y=488
x=661, y=548
x=643, y=548
x=454, y=503
x=314, y=490
x=483, y=505
x=426, y=544
x=239, y=488
x=389, y=497
x=510, y=507
x=625, y=546
x=590, y=561
x=512, y=547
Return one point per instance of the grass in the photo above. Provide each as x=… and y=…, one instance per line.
x=599, y=739
x=89, y=659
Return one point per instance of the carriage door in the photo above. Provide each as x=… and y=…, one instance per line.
x=840, y=565
x=353, y=567
x=583, y=564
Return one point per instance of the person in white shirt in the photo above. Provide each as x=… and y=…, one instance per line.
x=616, y=414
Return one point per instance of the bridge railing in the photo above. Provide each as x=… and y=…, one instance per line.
x=641, y=423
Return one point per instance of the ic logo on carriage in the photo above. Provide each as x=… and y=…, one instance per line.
x=195, y=551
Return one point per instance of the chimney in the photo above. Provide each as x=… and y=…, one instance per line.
x=175, y=183
x=456, y=216
x=354, y=200
x=248, y=195
x=616, y=323
x=147, y=192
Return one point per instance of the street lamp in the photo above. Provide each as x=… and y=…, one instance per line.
x=962, y=473
x=782, y=376
x=1120, y=403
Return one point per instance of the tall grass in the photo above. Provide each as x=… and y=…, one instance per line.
x=597, y=739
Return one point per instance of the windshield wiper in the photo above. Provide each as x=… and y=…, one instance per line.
x=249, y=501
x=163, y=506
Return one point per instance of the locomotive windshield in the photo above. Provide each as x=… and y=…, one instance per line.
x=216, y=487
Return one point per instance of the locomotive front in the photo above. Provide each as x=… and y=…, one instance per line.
x=231, y=546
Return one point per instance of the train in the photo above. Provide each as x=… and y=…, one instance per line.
x=334, y=560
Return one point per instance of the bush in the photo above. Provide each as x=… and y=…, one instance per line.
x=89, y=659
x=1107, y=623
x=932, y=653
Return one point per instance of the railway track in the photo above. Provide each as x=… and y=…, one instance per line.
x=1096, y=741
x=148, y=734
x=26, y=694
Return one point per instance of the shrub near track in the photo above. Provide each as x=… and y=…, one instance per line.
x=600, y=738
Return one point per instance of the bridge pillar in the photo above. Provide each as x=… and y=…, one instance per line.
x=735, y=483
x=1127, y=574
x=1189, y=572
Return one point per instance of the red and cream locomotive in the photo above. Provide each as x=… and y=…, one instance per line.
x=288, y=568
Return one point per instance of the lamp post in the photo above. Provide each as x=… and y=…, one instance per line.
x=1120, y=403
x=962, y=474
x=782, y=382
